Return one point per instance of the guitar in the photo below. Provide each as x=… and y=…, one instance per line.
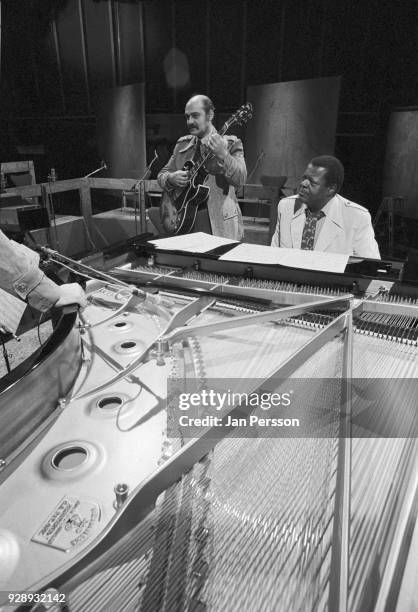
x=178, y=212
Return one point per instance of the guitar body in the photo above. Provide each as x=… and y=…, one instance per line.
x=178, y=213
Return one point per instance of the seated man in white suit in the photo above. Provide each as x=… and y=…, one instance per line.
x=319, y=218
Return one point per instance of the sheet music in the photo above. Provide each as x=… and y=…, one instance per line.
x=295, y=258
x=253, y=253
x=199, y=242
x=314, y=260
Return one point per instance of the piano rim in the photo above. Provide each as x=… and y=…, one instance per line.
x=59, y=335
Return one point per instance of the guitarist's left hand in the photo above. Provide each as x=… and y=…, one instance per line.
x=217, y=144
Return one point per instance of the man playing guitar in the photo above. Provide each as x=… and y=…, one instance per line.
x=221, y=215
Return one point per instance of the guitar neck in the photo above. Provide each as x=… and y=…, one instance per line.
x=225, y=128
x=209, y=155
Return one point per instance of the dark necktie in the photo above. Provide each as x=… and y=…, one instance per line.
x=308, y=234
x=197, y=157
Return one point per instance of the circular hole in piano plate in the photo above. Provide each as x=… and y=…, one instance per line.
x=108, y=406
x=71, y=460
x=129, y=347
x=110, y=403
x=121, y=326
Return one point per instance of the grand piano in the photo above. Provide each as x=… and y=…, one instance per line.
x=129, y=511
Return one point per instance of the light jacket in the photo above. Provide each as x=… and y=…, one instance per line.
x=224, y=212
x=21, y=276
x=347, y=228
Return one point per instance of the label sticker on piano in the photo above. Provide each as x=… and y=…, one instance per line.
x=108, y=297
x=378, y=285
x=69, y=524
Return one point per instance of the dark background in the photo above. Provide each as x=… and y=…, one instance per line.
x=57, y=56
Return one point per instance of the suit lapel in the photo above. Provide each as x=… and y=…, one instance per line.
x=297, y=224
x=189, y=146
x=333, y=225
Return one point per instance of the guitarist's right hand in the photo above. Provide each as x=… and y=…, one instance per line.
x=180, y=178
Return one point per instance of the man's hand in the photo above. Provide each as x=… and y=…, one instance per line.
x=180, y=178
x=218, y=146
x=71, y=293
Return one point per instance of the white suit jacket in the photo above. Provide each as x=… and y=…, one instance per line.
x=346, y=228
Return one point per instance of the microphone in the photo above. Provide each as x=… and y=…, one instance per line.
x=154, y=159
x=52, y=176
x=103, y=166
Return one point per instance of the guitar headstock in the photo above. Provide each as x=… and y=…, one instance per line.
x=241, y=116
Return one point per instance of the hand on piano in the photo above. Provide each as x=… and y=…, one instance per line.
x=71, y=293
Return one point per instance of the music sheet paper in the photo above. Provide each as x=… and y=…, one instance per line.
x=295, y=258
x=199, y=242
x=253, y=253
